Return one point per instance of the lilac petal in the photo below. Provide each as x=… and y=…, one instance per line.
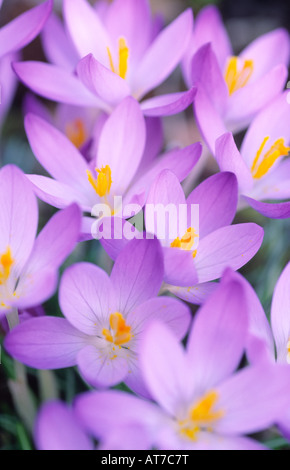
x=45, y=343
x=154, y=143
x=33, y=105
x=102, y=412
x=238, y=115
x=137, y=273
x=122, y=143
x=217, y=197
x=231, y=246
x=134, y=437
x=166, y=191
x=23, y=29
x=219, y=333
x=165, y=368
x=206, y=70
x=272, y=210
x=55, y=83
x=58, y=194
x=99, y=369
x=53, y=35
x=135, y=381
x=167, y=105
x=163, y=55
x=85, y=296
x=253, y=399
x=56, y=153
x=260, y=345
x=55, y=242
x=179, y=267
x=57, y=428
x=179, y=161
x=174, y=313
x=34, y=288
x=8, y=83
x=130, y=19
x=280, y=320
x=86, y=29
x=208, y=120
x=113, y=245
x=169, y=439
x=233, y=443
x=101, y=81
x=209, y=28
x=277, y=48
x=18, y=215
x=196, y=294
x=230, y=159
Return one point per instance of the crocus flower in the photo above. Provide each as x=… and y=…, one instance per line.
x=237, y=87
x=13, y=37
x=29, y=265
x=260, y=168
x=200, y=252
x=203, y=403
x=111, y=173
x=117, y=56
x=105, y=319
x=58, y=428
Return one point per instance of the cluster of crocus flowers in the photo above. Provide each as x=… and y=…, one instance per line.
x=191, y=378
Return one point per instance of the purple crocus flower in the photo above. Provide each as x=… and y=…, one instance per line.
x=29, y=266
x=262, y=172
x=202, y=402
x=114, y=56
x=105, y=319
x=13, y=37
x=232, y=84
x=189, y=266
x=112, y=171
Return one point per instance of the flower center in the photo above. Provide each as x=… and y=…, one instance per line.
x=237, y=77
x=119, y=332
x=186, y=242
x=6, y=261
x=76, y=132
x=123, y=53
x=101, y=184
x=263, y=162
x=201, y=416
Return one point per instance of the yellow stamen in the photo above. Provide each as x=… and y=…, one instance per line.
x=288, y=351
x=261, y=166
x=122, y=68
x=6, y=261
x=201, y=416
x=102, y=184
x=235, y=78
x=123, y=58
x=111, y=60
x=187, y=241
x=76, y=133
x=202, y=413
x=120, y=332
